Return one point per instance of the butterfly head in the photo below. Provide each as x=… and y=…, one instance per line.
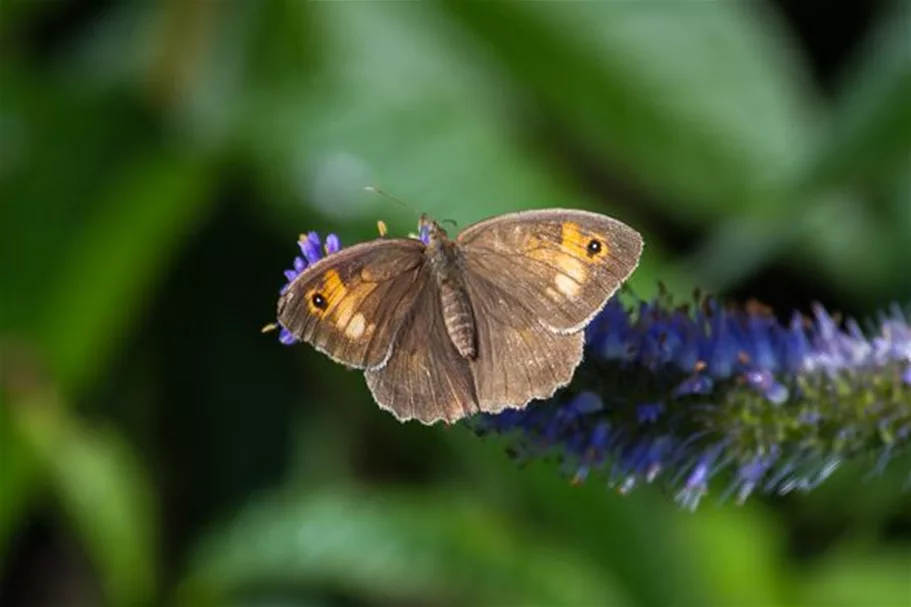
x=429, y=231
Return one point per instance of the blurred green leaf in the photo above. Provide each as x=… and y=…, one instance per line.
x=134, y=229
x=724, y=556
x=734, y=552
x=613, y=530
x=392, y=544
x=700, y=102
x=857, y=577
x=869, y=135
x=899, y=197
x=822, y=236
x=48, y=191
x=15, y=16
x=435, y=141
x=102, y=488
x=19, y=473
x=855, y=493
x=867, y=149
x=867, y=141
x=283, y=47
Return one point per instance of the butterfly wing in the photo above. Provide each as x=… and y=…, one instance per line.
x=519, y=358
x=424, y=378
x=351, y=304
x=562, y=265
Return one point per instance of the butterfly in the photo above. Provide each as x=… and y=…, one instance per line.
x=447, y=328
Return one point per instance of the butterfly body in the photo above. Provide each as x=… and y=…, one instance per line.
x=447, y=267
x=451, y=327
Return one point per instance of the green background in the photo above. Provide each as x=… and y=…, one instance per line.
x=158, y=161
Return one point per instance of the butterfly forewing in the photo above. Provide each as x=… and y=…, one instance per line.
x=562, y=265
x=350, y=305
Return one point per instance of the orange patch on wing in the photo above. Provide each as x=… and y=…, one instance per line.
x=568, y=257
x=571, y=259
x=331, y=289
x=339, y=305
x=344, y=305
x=344, y=311
x=576, y=241
x=333, y=285
x=571, y=236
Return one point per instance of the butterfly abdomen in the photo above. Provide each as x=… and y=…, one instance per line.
x=459, y=319
x=458, y=316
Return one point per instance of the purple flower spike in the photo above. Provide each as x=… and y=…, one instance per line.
x=696, y=485
x=310, y=247
x=750, y=474
x=332, y=244
x=697, y=384
x=765, y=383
x=649, y=412
x=789, y=402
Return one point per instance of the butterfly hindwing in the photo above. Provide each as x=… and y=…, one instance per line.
x=425, y=378
x=519, y=359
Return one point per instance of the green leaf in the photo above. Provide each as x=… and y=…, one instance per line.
x=135, y=227
x=48, y=191
x=435, y=142
x=632, y=537
x=430, y=142
x=103, y=490
x=735, y=552
x=866, y=146
x=858, y=577
x=869, y=139
x=700, y=102
x=391, y=546
x=863, y=246
x=19, y=472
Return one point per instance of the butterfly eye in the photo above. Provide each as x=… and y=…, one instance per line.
x=318, y=301
x=594, y=247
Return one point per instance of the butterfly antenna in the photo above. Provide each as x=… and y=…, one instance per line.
x=270, y=327
x=383, y=193
x=452, y=222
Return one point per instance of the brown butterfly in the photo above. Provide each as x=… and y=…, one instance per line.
x=492, y=319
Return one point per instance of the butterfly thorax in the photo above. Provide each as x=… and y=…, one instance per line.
x=445, y=263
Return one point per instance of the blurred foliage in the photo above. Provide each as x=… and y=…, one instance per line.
x=157, y=161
